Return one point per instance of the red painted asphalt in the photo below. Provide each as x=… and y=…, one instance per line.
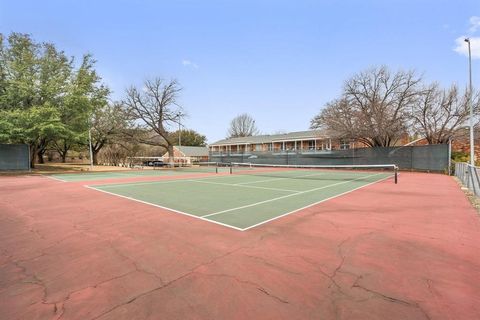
x=406, y=251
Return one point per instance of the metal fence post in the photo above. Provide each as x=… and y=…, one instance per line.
x=450, y=156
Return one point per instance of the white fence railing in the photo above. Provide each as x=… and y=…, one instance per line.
x=469, y=176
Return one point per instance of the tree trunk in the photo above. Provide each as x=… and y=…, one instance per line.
x=96, y=150
x=63, y=155
x=170, y=155
x=41, y=148
x=33, y=155
x=95, y=156
x=40, y=153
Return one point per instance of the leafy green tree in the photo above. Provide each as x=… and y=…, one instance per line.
x=85, y=94
x=54, y=71
x=19, y=65
x=37, y=81
x=30, y=127
x=188, y=138
x=109, y=126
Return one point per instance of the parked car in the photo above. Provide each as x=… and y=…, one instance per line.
x=154, y=163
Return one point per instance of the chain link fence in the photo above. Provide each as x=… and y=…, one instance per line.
x=422, y=158
x=14, y=157
x=469, y=176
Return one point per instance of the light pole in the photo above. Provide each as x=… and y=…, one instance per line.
x=179, y=131
x=90, y=146
x=472, y=146
x=179, y=116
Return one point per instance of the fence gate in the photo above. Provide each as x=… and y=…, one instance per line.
x=14, y=157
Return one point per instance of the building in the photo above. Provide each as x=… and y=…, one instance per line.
x=316, y=148
x=186, y=155
x=303, y=141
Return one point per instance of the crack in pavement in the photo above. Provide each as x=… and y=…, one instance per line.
x=62, y=311
x=165, y=285
x=389, y=298
x=39, y=282
x=267, y=263
x=251, y=283
x=67, y=297
x=117, y=251
x=342, y=257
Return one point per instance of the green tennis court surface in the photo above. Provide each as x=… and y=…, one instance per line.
x=92, y=176
x=244, y=201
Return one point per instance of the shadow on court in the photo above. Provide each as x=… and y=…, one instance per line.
x=386, y=251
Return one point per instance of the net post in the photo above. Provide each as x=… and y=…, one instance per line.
x=231, y=172
x=395, y=169
x=216, y=169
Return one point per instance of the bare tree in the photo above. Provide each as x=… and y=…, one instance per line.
x=374, y=107
x=242, y=125
x=439, y=114
x=155, y=108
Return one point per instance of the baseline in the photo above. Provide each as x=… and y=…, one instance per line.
x=165, y=208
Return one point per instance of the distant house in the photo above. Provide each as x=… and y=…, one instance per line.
x=301, y=141
x=187, y=155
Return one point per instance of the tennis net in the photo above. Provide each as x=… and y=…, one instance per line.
x=213, y=167
x=316, y=172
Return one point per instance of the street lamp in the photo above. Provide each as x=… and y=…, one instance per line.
x=472, y=147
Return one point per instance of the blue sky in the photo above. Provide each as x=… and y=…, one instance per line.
x=279, y=61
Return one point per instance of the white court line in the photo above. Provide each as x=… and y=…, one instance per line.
x=243, y=186
x=101, y=175
x=74, y=175
x=286, y=196
x=127, y=184
x=276, y=179
x=311, y=205
x=227, y=225
x=53, y=178
x=162, y=207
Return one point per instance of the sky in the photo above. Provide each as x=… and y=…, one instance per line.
x=279, y=61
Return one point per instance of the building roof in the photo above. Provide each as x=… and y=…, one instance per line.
x=291, y=136
x=189, y=151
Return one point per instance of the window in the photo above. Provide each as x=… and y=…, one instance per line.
x=344, y=144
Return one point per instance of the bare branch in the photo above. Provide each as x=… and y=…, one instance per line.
x=155, y=108
x=242, y=126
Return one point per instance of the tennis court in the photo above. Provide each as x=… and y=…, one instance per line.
x=133, y=173
x=251, y=195
x=385, y=251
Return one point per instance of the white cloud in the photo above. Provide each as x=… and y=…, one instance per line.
x=474, y=24
x=188, y=63
x=461, y=46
